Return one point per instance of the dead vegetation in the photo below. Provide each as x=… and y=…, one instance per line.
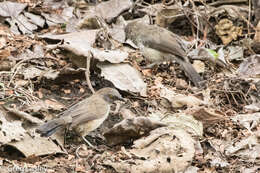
x=54, y=53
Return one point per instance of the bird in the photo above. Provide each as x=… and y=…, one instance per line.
x=85, y=116
x=158, y=44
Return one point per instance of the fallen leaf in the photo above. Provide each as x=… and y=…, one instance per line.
x=124, y=77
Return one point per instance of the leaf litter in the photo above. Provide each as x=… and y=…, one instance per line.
x=53, y=52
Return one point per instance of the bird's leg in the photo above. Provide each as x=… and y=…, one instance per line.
x=89, y=144
x=66, y=130
x=65, y=133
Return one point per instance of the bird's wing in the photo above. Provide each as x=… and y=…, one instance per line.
x=95, y=107
x=169, y=43
x=164, y=41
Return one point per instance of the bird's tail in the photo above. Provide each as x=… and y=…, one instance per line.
x=49, y=128
x=191, y=73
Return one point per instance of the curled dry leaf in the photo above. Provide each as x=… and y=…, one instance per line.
x=11, y=9
x=167, y=16
x=232, y=11
x=180, y=121
x=124, y=77
x=118, y=6
x=129, y=129
x=14, y=134
x=53, y=18
x=80, y=49
x=249, y=121
x=23, y=115
x=180, y=100
x=254, y=107
x=36, y=146
x=117, y=32
x=76, y=49
x=35, y=19
x=10, y=130
x=235, y=53
x=21, y=25
x=208, y=116
x=87, y=38
x=113, y=56
x=250, y=67
x=247, y=149
x=164, y=150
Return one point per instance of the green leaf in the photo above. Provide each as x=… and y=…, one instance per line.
x=213, y=53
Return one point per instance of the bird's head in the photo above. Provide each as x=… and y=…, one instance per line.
x=110, y=94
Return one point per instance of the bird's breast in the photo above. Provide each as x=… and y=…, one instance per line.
x=154, y=56
x=85, y=128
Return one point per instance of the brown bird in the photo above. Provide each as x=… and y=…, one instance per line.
x=85, y=116
x=157, y=44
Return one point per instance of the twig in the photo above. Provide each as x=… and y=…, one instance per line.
x=217, y=3
x=234, y=99
x=249, y=16
x=87, y=73
x=23, y=115
x=27, y=95
x=15, y=68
